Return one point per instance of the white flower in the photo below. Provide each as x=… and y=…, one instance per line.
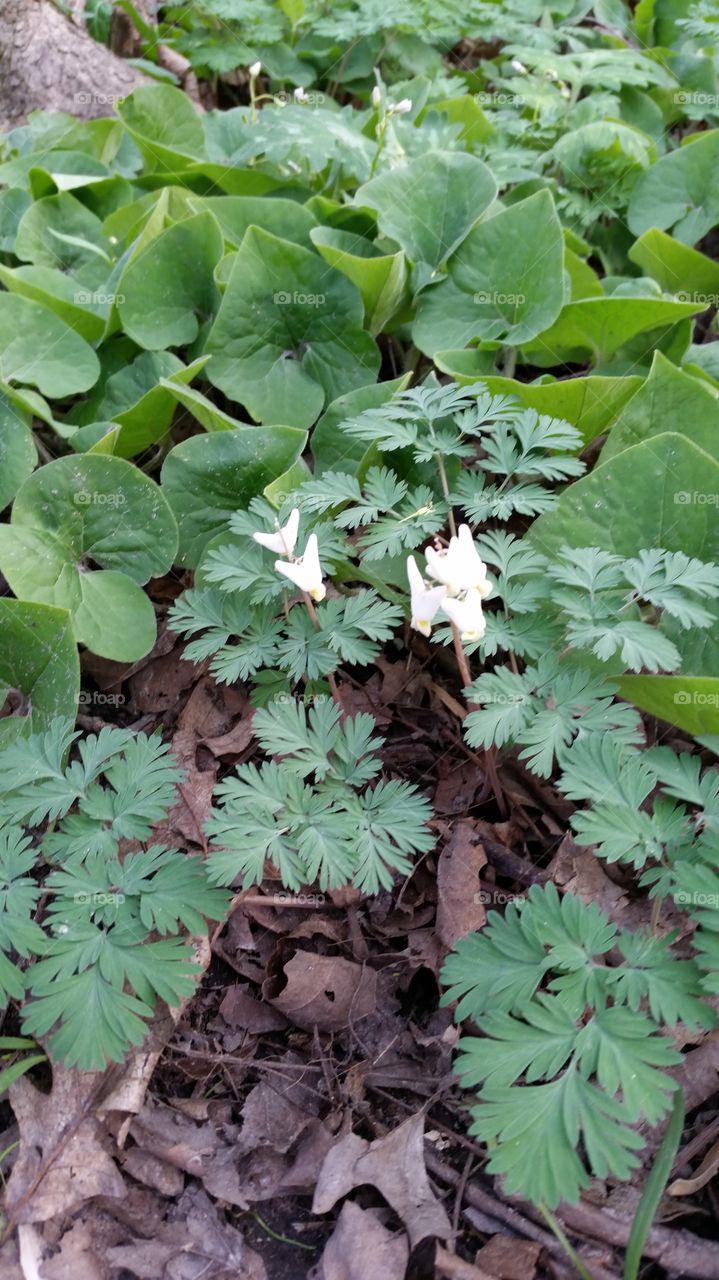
x=300, y=95
x=518, y=66
x=306, y=573
x=255, y=69
x=466, y=615
x=376, y=96
x=425, y=600
x=460, y=567
x=403, y=107
x=283, y=542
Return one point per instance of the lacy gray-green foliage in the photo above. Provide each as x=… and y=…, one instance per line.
x=571, y=1055
x=316, y=813
x=366, y=521
x=110, y=942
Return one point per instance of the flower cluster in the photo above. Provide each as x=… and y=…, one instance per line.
x=305, y=570
x=463, y=584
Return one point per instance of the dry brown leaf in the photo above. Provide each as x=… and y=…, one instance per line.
x=271, y=1120
x=704, y=1174
x=73, y=1169
x=209, y=712
x=508, y=1258
x=458, y=868
x=395, y=1166
x=361, y=1246
x=239, y=1009
x=153, y=1172
x=322, y=991
x=195, y=1244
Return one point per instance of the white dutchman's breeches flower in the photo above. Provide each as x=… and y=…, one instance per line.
x=462, y=575
x=460, y=567
x=425, y=600
x=282, y=542
x=306, y=573
x=466, y=614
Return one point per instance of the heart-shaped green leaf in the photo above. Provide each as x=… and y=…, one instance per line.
x=38, y=348
x=207, y=478
x=288, y=336
x=680, y=191
x=429, y=205
x=505, y=282
x=381, y=278
x=168, y=290
x=39, y=662
x=18, y=454
x=667, y=396
x=78, y=513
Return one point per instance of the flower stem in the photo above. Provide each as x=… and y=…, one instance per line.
x=316, y=624
x=445, y=490
x=462, y=660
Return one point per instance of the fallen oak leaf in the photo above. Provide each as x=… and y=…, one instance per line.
x=459, y=905
x=326, y=992
x=62, y=1161
x=395, y=1166
x=360, y=1246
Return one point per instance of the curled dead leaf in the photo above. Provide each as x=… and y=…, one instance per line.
x=395, y=1166
x=361, y=1246
x=322, y=991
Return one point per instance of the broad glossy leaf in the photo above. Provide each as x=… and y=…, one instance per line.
x=680, y=191
x=78, y=513
x=660, y=493
x=505, y=282
x=680, y=270
x=38, y=658
x=60, y=232
x=38, y=348
x=669, y=397
x=381, y=278
x=590, y=403
x=207, y=478
x=284, y=218
x=168, y=291
x=429, y=205
x=165, y=126
x=690, y=702
x=18, y=455
x=288, y=335
x=60, y=294
x=599, y=327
